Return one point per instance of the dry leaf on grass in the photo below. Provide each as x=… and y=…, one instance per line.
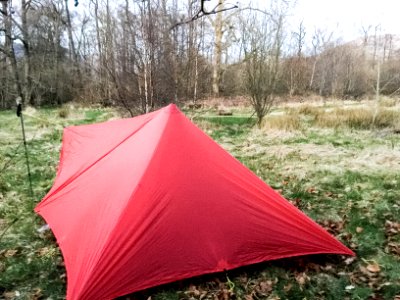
x=265, y=286
x=302, y=278
x=373, y=268
x=10, y=253
x=359, y=229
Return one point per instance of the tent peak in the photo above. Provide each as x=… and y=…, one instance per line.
x=171, y=108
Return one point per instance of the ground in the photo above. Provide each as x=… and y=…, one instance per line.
x=339, y=162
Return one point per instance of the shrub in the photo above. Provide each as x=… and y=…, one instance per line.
x=63, y=112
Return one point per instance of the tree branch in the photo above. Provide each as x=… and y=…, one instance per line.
x=202, y=12
x=4, y=51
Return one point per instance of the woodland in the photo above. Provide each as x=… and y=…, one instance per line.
x=139, y=55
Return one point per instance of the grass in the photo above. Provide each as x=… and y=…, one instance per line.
x=329, y=161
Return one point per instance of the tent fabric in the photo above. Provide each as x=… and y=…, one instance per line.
x=149, y=200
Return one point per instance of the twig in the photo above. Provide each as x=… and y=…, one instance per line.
x=7, y=163
x=394, y=92
x=8, y=227
x=202, y=12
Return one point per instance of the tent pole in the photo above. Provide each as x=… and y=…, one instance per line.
x=19, y=114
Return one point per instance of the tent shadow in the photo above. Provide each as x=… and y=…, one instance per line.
x=291, y=266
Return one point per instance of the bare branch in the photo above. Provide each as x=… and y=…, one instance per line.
x=395, y=92
x=257, y=10
x=4, y=51
x=202, y=12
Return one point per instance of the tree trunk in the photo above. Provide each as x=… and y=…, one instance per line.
x=99, y=49
x=313, y=73
x=27, y=85
x=9, y=50
x=72, y=44
x=216, y=75
x=151, y=57
x=377, y=92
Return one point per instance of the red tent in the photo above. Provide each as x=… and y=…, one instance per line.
x=149, y=200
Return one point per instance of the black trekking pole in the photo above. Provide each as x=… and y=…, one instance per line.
x=19, y=114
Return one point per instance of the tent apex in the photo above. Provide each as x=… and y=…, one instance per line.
x=171, y=108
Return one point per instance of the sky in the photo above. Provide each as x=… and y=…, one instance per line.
x=347, y=17
x=343, y=17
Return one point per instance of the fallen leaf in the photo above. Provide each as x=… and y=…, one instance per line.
x=266, y=286
x=394, y=248
x=302, y=278
x=10, y=253
x=328, y=194
x=353, y=246
x=43, y=251
x=287, y=287
x=364, y=270
x=312, y=190
x=224, y=295
x=373, y=268
x=37, y=294
x=193, y=291
x=9, y=295
x=296, y=202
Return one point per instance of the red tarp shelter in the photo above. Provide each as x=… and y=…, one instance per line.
x=144, y=201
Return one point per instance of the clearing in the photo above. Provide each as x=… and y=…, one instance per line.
x=339, y=162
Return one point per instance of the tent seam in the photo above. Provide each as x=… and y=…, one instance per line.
x=132, y=194
x=68, y=182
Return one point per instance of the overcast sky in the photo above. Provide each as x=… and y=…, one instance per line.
x=348, y=16
x=344, y=17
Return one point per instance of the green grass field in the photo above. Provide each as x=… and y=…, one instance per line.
x=339, y=163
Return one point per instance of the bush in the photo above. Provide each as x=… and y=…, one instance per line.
x=63, y=112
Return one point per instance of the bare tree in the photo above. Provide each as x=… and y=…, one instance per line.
x=72, y=50
x=295, y=66
x=262, y=43
x=27, y=85
x=134, y=55
x=217, y=24
x=8, y=49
